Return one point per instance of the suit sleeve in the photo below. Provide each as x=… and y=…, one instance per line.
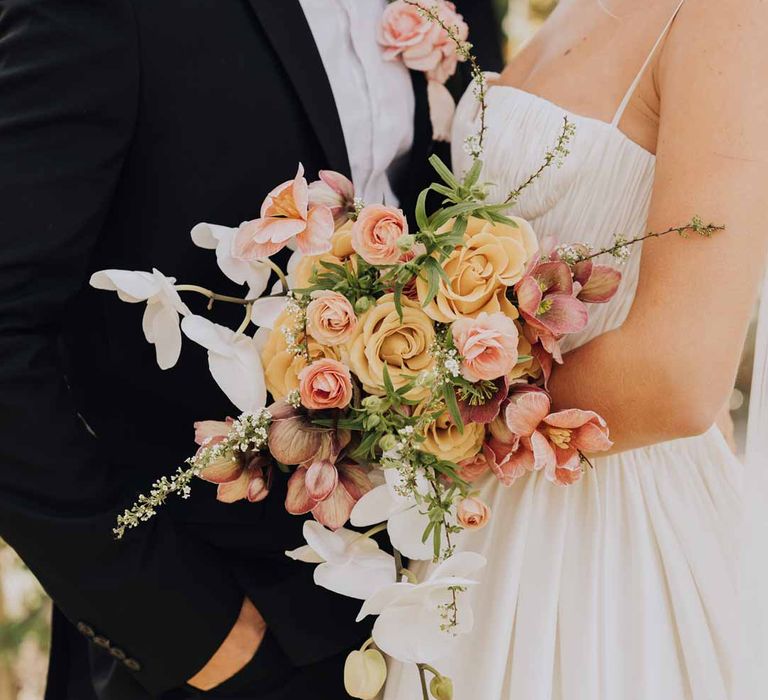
x=160, y=602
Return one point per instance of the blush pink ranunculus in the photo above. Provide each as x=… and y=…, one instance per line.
x=331, y=319
x=487, y=345
x=324, y=384
x=472, y=513
x=376, y=232
x=334, y=191
x=329, y=491
x=554, y=441
x=286, y=214
x=423, y=45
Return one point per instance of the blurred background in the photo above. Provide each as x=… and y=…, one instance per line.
x=24, y=608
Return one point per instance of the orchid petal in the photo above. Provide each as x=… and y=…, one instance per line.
x=267, y=310
x=161, y=328
x=357, y=581
x=375, y=507
x=131, y=286
x=305, y=554
x=406, y=529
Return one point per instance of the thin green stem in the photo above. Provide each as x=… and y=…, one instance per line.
x=246, y=320
x=280, y=274
x=423, y=678
x=695, y=226
x=213, y=296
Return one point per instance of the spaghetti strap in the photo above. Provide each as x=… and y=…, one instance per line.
x=628, y=96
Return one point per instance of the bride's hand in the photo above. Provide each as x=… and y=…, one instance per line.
x=239, y=647
x=667, y=372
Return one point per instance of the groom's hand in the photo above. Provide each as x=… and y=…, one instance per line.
x=236, y=650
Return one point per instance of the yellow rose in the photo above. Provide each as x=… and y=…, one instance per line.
x=341, y=250
x=282, y=366
x=382, y=340
x=492, y=258
x=446, y=441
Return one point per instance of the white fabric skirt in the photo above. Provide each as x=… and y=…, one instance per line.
x=620, y=587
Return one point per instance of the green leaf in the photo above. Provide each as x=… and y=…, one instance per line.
x=427, y=532
x=388, y=386
x=399, y=286
x=449, y=395
x=446, y=192
x=431, y=267
x=444, y=171
x=422, y=220
x=443, y=216
x=474, y=174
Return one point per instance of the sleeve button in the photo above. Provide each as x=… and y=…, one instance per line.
x=119, y=654
x=132, y=665
x=85, y=630
x=103, y=642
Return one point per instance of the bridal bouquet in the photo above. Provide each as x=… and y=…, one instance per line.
x=404, y=361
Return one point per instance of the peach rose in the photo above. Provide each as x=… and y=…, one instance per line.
x=331, y=319
x=376, y=232
x=475, y=467
x=325, y=384
x=383, y=340
x=422, y=44
x=492, y=258
x=473, y=514
x=446, y=441
x=487, y=345
x=282, y=365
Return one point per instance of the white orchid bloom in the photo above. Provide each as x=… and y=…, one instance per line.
x=164, y=306
x=405, y=517
x=219, y=238
x=412, y=616
x=233, y=360
x=349, y=564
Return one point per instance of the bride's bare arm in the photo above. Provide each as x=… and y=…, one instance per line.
x=669, y=370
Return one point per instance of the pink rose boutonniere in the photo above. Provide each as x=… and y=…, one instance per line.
x=407, y=34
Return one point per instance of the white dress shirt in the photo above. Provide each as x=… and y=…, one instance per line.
x=374, y=97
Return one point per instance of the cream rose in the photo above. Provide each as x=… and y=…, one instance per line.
x=282, y=366
x=446, y=441
x=493, y=258
x=341, y=251
x=383, y=340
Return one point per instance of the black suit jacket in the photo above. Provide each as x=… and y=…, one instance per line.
x=122, y=124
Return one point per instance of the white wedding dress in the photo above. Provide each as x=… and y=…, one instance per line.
x=624, y=585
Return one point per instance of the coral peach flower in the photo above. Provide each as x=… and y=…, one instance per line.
x=487, y=345
x=376, y=232
x=331, y=319
x=238, y=478
x=555, y=441
x=546, y=300
x=475, y=467
x=285, y=215
x=334, y=191
x=325, y=384
x=328, y=491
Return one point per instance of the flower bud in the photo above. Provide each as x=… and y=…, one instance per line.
x=388, y=442
x=363, y=304
x=405, y=242
x=372, y=421
x=365, y=673
x=441, y=688
x=374, y=404
x=473, y=514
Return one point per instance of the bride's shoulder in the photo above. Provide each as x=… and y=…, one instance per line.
x=715, y=42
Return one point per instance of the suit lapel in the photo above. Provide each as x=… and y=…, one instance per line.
x=289, y=33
